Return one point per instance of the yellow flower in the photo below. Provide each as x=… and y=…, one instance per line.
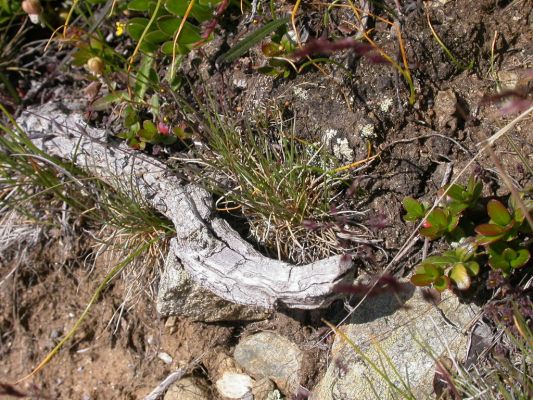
x=121, y=27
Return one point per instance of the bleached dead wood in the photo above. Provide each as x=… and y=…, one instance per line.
x=160, y=390
x=212, y=253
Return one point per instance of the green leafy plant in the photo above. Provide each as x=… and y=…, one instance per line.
x=170, y=28
x=143, y=120
x=415, y=209
x=506, y=258
x=455, y=266
x=443, y=220
x=463, y=197
x=498, y=243
x=168, y=20
x=140, y=132
x=94, y=46
x=439, y=222
x=252, y=39
x=277, y=50
x=431, y=274
x=503, y=225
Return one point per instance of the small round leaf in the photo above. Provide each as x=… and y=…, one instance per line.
x=522, y=258
x=498, y=213
x=442, y=283
x=459, y=275
x=421, y=280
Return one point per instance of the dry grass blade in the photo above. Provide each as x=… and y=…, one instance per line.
x=491, y=140
x=280, y=183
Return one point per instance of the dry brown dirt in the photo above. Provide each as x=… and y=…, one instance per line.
x=46, y=284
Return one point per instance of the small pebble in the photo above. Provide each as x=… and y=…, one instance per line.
x=150, y=340
x=55, y=334
x=233, y=385
x=165, y=357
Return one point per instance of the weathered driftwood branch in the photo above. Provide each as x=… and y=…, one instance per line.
x=212, y=253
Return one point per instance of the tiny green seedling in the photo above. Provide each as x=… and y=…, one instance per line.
x=463, y=197
x=506, y=259
x=415, y=209
x=277, y=50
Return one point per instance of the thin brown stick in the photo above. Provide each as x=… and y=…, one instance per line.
x=160, y=390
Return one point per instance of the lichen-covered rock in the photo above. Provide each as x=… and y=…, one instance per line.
x=388, y=330
x=269, y=355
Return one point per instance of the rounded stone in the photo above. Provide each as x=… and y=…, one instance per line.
x=189, y=388
x=269, y=355
x=233, y=385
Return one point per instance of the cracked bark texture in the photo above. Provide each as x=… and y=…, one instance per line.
x=212, y=253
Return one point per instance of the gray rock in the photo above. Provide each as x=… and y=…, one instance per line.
x=179, y=295
x=386, y=332
x=262, y=389
x=188, y=389
x=269, y=355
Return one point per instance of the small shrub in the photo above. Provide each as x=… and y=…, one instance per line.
x=159, y=29
x=498, y=243
x=168, y=19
